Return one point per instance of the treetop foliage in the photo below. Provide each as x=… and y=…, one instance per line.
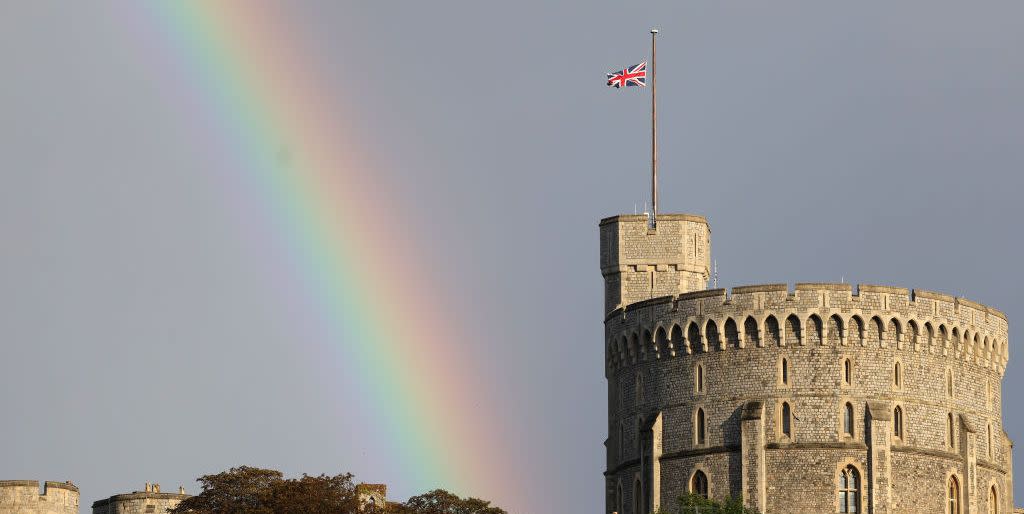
x=249, y=490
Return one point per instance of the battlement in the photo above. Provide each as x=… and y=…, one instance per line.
x=27, y=496
x=809, y=313
x=150, y=500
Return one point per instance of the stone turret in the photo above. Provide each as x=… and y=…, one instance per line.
x=640, y=263
x=25, y=497
x=148, y=501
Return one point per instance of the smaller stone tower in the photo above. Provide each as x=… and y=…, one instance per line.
x=25, y=497
x=640, y=263
x=149, y=501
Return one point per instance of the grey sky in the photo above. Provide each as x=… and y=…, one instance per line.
x=878, y=142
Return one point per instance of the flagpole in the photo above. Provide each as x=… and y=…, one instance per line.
x=654, y=133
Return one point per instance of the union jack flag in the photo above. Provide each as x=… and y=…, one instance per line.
x=635, y=75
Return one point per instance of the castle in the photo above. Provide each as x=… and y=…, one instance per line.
x=815, y=399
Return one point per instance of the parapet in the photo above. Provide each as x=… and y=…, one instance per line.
x=809, y=313
x=149, y=500
x=26, y=495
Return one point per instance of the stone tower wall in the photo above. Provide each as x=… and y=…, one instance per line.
x=24, y=497
x=138, y=503
x=654, y=349
x=638, y=263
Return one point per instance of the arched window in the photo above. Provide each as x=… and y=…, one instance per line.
x=897, y=422
x=699, y=483
x=787, y=426
x=638, y=495
x=848, y=419
x=954, y=495
x=847, y=372
x=993, y=501
x=897, y=380
x=699, y=379
x=700, y=427
x=951, y=433
x=784, y=370
x=849, y=490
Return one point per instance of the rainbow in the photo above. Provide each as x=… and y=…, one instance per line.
x=255, y=89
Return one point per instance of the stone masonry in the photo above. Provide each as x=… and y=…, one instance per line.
x=25, y=497
x=775, y=394
x=148, y=501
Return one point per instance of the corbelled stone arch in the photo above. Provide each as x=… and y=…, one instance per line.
x=834, y=333
x=676, y=340
x=875, y=331
x=929, y=337
x=751, y=333
x=855, y=330
x=661, y=343
x=943, y=341
x=955, y=342
x=976, y=348
x=732, y=334
x=623, y=350
x=634, y=347
x=913, y=335
x=813, y=331
x=712, y=336
x=792, y=334
x=772, y=335
x=694, y=339
x=893, y=335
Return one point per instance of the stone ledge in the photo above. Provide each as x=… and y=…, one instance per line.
x=661, y=217
x=760, y=288
x=823, y=445
x=823, y=286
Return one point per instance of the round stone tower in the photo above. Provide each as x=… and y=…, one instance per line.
x=815, y=399
x=26, y=497
x=148, y=501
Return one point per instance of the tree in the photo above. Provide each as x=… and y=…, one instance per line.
x=697, y=504
x=440, y=501
x=246, y=490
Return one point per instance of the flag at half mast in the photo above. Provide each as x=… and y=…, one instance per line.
x=635, y=75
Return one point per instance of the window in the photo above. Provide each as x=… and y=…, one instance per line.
x=897, y=380
x=849, y=490
x=699, y=483
x=949, y=382
x=897, y=422
x=848, y=419
x=847, y=372
x=699, y=379
x=787, y=426
x=951, y=434
x=784, y=371
x=700, y=427
x=954, y=496
x=993, y=501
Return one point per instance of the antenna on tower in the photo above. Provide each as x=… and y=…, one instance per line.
x=716, y=274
